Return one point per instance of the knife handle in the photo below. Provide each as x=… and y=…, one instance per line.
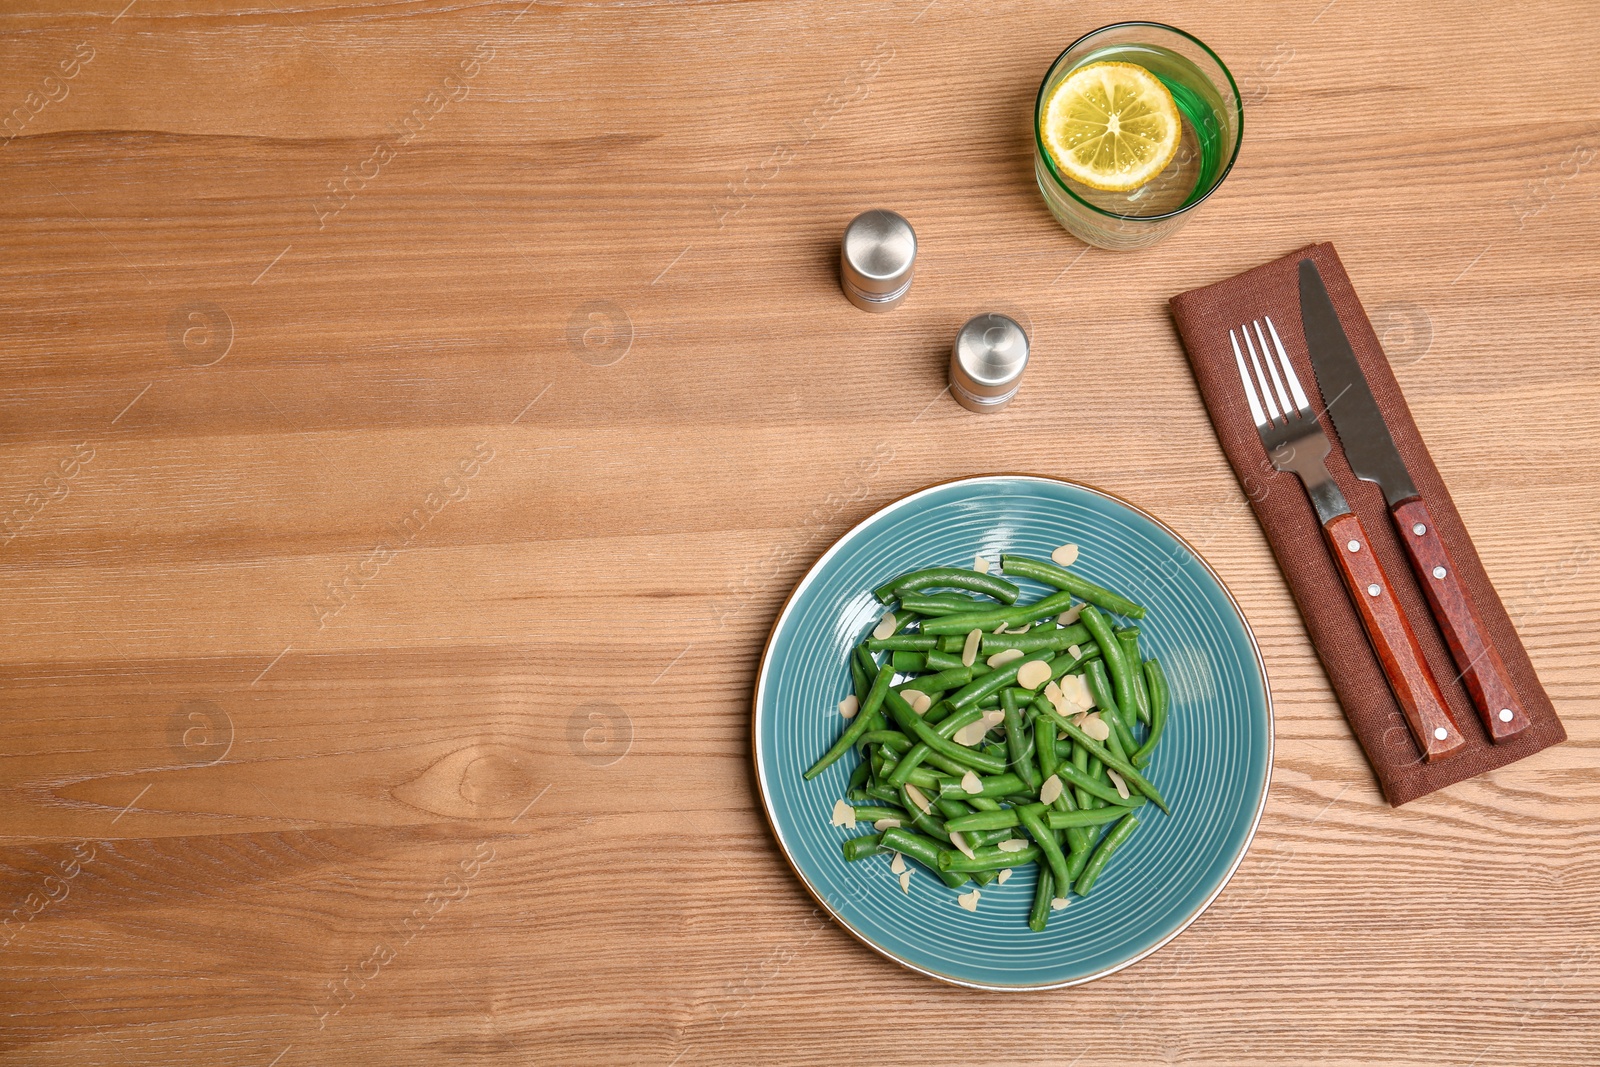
x=1426, y=713
x=1481, y=667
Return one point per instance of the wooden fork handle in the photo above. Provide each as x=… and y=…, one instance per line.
x=1431, y=723
x=1482, y=670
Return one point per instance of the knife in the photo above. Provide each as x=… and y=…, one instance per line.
x=1372, y=454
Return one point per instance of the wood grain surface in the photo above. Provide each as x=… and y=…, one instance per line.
x=415, y=412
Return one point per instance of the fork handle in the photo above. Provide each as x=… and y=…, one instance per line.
x=1482, y=670
x=1431, y=723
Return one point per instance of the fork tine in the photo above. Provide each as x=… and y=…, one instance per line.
x=1272, y=366
x=1249, y=389
x=1288, y=368
x=1266, y=390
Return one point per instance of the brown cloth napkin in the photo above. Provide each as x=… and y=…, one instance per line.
x=1204, y=317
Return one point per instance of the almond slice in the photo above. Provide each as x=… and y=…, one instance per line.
x=905, y=882
x=886, y=626
x=886, y=824
x=1052, y=692
x=1116, y=780
x=1065, y=556
x=1024, y=629
x=844, y=815
x=918, y=799
x=1033, y=674
x=1010, y=844
x=971, y=733
x=1000, y=629
x=898, y=864
x=968, y=900
x=849, y=706
x=958, y=839
x=1005, y=876
x=994, y=717
x=1070, y=616
x=969, y=651
x=1050, y=791
x=971, y=783
x=1076, y=691
x=1004, y=656
x=920, y=702
x=1075, y=651
x=980, y=565
x=1058, y=903
x=1097, y=728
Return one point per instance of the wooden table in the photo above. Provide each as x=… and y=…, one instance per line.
x=415, y=414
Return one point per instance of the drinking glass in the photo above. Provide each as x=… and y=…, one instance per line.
x=1213, y=125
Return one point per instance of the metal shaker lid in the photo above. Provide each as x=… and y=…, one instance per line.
x=986, y=362
x=877, y=258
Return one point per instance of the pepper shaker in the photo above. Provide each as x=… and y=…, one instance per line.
x=986, y=362
x=877, y=258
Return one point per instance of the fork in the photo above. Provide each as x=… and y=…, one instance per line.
x=1296, y=442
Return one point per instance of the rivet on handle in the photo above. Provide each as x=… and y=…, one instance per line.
x=1505, y=715
x=1354, y=546
x=1440, y=733
x=1439, y=572
x=1419, y=529
x=1374, y=589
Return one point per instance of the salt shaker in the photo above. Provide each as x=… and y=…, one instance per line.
x=877, y=258
x=986, y=362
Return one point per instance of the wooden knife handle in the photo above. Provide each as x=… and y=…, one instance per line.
x=1426, y=713
x=1481, y=667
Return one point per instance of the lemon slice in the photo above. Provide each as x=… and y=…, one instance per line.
x=1111, y=126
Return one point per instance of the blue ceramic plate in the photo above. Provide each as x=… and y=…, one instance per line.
x=1213, y=763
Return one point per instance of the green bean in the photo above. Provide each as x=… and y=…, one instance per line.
x=913, y=725
x=860, y=683
x=996, y=680
x=1109, y=844
x=907, y=662
x=885, y=793
x=1004, y=819
x=1077, y=820
x=1121, y=766
x=983, y=878
x=924, y=821
x=859, y=725
x=1128, y=638
x=921, y=777
x=903, y=643
x=977, y=839
x=924, y=850
x=859, y=776
x=1061, y=578
x=949, y=578
x=933, y=683
x=1111, y=650
x=1076, y=634
x=1086, y=783
x=858, y=848
x=1160, y=697
x=1045, y=838
x=987, y=621
x=1039, y=913
x=939, y=603
x=1094, y=675
x=1018, y=749
x=893, y=739
x=986, y=859
x=996, y=785
x=874, y=812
